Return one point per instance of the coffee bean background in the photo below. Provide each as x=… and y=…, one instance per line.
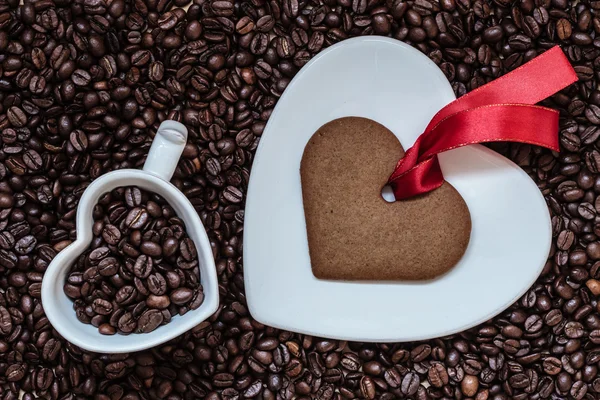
x=84, y=85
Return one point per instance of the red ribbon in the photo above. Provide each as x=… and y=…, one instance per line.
x=502, y=110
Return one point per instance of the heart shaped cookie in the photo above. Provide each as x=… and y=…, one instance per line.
x=353, y=233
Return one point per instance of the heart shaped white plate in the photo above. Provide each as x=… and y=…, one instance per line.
x=395, y=85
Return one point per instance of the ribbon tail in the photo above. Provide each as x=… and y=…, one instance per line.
x=501, y=122
x=494, y=123
x=531, y=83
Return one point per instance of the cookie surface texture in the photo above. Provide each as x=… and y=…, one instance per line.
x=353, y=233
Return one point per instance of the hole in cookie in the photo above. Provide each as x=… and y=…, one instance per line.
x=388, y=194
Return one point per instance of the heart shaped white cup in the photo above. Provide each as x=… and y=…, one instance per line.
x=163, y=156
x=392, y=83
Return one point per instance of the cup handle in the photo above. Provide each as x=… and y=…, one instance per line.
x=166, y=149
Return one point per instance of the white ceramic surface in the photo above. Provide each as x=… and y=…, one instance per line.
x=159, y=167
x=393, y=84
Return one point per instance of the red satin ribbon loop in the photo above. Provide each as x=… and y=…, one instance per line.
x=502, y=110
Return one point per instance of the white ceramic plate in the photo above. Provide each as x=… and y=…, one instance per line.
x=395, y=85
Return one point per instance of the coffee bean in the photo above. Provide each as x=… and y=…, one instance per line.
x=367, y=388
x=136, y=218
x=108, y=267
x=565, y=239
x=563, y=29
x=151, y=248
x=373, y=368
x=590, y=135
x=111, y=234
x=533, y=323
x=519, y=381
x=125, y=295
x=98, y=255
x=6, y=325
x=291, y=8
x=552, y=365
x=143, y=267
x=157, y=284
x=149, y=321
x=188, y=249
x=107, y=329
x=569, y=191
x=350, y=361
x=593, y=250
x=140, y=58
x=25, y=245
x=156, y=71
x=16, y=117
x=420, y=352
x=592, y=113
x=102, y=307
x=594, y=286
x=78, y=140
x=574, y=330
x=578, y=390
x=392, y=378
x=159, y=302
x=410, y=384
x=81, y=77
x=181, y=296
x=15, y=372
x=469, y=385
x=127, y=323
x=169, y=246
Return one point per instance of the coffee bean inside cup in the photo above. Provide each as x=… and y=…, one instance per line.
x=140, y=270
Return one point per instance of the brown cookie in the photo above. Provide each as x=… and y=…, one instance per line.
x=353, y=233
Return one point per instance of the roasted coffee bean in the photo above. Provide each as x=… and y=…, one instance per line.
x=111, y=234
x=136, y=218
x=102, y=307
x=159, y=302
x=108, y=267
x=350, y=361
x=152, y=249
x=81, y=77
x=437, y=375
x=127, y=323
x=143, y=267
x=469, y=385
x=188, y=250
x=170, y=246
x=367, y=388
x=552, y=365
x=574, y=330
x=156, y=71
x=592, y=113
x=16, y=117
x=563, y=29
x=140, y=58
x=410, y=384
x=157, y=284
x=78, y=140
x=421, y=352
x=181, y=296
